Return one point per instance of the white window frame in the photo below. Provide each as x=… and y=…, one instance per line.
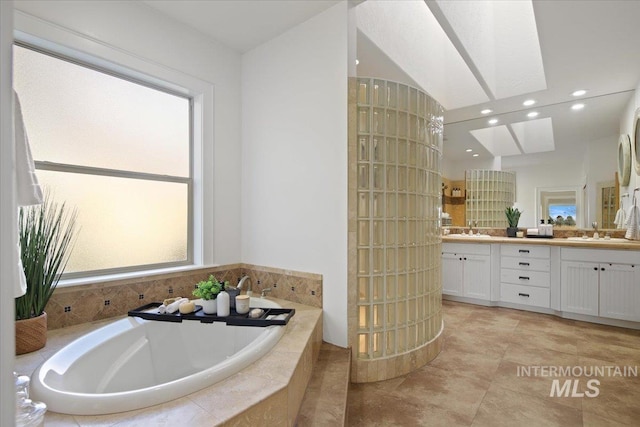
x=59, y=41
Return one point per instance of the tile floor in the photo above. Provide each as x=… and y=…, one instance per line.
x=474, y=381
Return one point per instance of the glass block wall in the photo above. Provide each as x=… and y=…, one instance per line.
x=489, y=193
x=399, y=152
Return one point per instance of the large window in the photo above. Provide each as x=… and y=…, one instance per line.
x=118, y=151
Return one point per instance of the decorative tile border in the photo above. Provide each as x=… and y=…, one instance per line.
x=87, y=303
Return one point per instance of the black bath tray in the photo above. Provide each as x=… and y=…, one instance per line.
x=533, y=236
x=150, y=312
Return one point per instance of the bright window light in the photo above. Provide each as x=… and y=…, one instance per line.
x=117, y=151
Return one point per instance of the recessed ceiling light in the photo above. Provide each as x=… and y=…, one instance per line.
x=533, y=114
x=476, y=155
x=357, y=62
x=486, y=111
x=528, y=102
x=468, y=150
x=493, y=121
x=579, y=92
x=577, y=106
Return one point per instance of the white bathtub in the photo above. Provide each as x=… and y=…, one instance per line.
x=133, y=363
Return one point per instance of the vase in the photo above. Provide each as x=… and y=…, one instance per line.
x=511, y=231
x=31, y=334
x=209, y=306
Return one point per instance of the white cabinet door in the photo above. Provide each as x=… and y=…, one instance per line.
x=452, y=272
x=620, y=291
x=477, y=273
x=579, y=287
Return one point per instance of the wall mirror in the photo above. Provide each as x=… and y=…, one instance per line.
x=636, y=140
x=624, y=159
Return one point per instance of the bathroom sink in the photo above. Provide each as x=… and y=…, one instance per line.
x=601, y=239
x=473, y=236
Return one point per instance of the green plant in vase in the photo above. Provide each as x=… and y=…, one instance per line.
x=513, y=217
x=46, y=235
x=208, y=291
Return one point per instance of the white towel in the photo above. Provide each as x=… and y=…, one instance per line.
x=621, y=218
x=28, y=191
x=174, y=306
x=633, y=224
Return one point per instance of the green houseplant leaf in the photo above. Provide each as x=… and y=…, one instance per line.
x=513, y=216
x=46, y=236
x=209, y=289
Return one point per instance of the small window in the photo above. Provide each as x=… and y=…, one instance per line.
x=118, y=151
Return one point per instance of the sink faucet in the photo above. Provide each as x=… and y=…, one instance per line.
x=470, y=229
x=264, y=292
x=595, y=230
x=241, y=284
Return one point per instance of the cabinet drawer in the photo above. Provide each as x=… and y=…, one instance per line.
x=529, y=264
x=525, y=251
x=467, y=248
x=538, y=297
x=527, y=278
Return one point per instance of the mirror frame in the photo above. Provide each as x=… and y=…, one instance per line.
x=624, y=159
x=636, y=139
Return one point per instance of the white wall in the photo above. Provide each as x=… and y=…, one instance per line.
x=294, y=157
x=148, y=39
x=8, y=224
x=548, y=175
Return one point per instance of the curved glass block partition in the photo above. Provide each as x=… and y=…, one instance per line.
x=489, y=193
x=398, y=153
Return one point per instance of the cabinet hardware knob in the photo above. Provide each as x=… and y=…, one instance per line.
x=595, y=268
x=602, y=269
x=465, y=258
x=524, y=251
x=523, y=263
x=523, y=295
x=523, y=278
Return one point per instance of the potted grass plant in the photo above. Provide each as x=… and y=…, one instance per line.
x=513, y=216
x=46, y=237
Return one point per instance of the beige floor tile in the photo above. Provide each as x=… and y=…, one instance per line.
x=475, y=379
x=503, y=407
x=458, y=394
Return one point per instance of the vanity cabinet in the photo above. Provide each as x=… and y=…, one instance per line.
x=466, y=270
x=524, y=275
x=608, y=289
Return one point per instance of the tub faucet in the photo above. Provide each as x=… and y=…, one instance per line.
x=241, y=284
x=264, y=292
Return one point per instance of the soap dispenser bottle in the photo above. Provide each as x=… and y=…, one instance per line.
x=223, y=304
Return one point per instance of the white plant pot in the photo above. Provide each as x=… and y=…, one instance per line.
x=209, y=306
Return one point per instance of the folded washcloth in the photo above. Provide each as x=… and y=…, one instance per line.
x=173, y=307
x=532, y=231
x=162, y=309
x=621, y=218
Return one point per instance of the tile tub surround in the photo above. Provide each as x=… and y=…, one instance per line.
x=269, y=392
x=74, y=305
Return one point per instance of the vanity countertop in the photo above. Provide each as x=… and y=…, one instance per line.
x=579, y=243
